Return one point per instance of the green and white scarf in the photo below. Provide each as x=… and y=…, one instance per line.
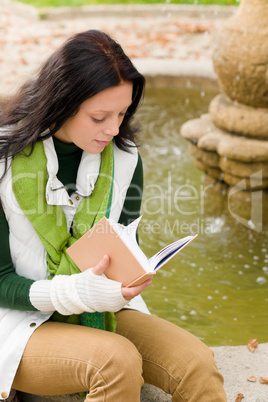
x=29, y=180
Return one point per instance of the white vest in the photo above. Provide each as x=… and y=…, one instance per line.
x=29, y=255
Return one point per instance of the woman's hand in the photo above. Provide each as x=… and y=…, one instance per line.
x=87, y=291
x=127, y=293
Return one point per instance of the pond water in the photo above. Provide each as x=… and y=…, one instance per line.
x=217, y=287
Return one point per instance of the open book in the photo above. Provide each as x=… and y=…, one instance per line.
x=128, y=264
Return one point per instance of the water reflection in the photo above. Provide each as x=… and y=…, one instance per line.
x=218, y=286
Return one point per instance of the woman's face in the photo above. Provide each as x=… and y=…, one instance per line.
x=98, y=119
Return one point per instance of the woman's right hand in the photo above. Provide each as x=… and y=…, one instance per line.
x=87, y=291
x=127, y=293
x=98, y=292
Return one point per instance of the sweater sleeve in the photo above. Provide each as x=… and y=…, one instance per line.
x=14, y=289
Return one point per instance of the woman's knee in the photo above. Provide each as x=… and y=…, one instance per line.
x=125, y=358
x=203, y=358
x=202, y=380
x=122, y=372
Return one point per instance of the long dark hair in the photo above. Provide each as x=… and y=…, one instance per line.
x=86, y=64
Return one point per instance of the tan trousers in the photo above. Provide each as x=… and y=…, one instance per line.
x=64, y=358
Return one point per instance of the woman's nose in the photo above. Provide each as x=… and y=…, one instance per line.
x=112, y=127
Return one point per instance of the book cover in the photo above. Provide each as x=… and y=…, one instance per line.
x=128, y=264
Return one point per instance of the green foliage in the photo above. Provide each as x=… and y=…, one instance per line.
x=75, y=3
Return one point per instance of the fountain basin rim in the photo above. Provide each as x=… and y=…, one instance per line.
x=161, y=73
x=137, y=10
x=171, y=72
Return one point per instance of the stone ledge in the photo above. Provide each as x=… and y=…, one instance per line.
x=236, y=363
x=149, y=393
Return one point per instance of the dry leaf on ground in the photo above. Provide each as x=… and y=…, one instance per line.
x=264, y=380
x=239, y=397
x=252, y=344
x=23, y=61
x=252, y=378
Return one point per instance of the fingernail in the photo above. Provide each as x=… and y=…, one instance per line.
x=104, y=258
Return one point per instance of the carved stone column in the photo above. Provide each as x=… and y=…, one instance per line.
x=230, y=143
x=241, y=55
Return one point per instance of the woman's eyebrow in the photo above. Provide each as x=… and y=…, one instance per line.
x=108, y=111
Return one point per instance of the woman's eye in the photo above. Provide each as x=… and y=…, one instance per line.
x=95, y=120
x=98, y=120
x=123, y=114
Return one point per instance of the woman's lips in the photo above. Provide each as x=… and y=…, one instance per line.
x=102, y=143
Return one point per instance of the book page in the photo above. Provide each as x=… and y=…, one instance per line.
x=164, y=255
x=128, y=234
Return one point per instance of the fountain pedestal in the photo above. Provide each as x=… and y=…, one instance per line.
x=230, y=143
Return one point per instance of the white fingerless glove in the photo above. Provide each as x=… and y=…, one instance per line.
x=77, y=293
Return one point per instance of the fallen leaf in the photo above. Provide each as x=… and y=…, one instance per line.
x=252, y=378
x=252, y=344
x=239, y=397
x=264, y=380
x=23, y=61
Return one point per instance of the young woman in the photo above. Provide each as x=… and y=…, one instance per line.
x=68, y=158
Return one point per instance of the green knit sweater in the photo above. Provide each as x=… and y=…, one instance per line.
x=14, y=289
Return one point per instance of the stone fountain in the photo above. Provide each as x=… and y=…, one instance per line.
x=230, y=143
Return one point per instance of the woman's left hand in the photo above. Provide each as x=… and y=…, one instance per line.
x=130, y=293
